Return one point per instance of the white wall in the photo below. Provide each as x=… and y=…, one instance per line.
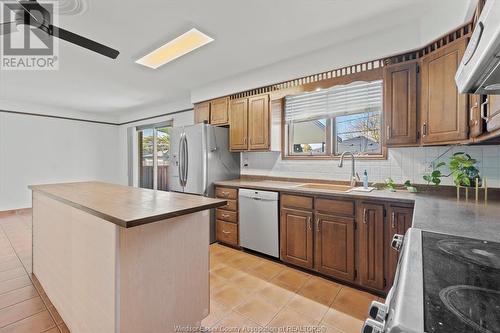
x=35, y=150
x=375, y=41
x=401, y=164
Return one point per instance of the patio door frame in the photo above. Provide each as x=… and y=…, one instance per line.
x=154, y=127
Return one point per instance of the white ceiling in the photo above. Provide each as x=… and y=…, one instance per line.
x=248, y=34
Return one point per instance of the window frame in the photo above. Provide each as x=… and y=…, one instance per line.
x=286, y=144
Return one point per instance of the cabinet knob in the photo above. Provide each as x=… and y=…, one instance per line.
x=226, y=232
x=424, y=129
x=365, y=217
x=372, y=326
x=309, y=224
x=317, y=225
x=393, y=220
x=397, y=242
x=378, y=311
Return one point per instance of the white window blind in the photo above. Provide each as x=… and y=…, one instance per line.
x=352, y=98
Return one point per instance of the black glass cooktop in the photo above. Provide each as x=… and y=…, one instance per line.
x=461, y=284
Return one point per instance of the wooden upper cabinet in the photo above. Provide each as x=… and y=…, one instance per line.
x=399, y=223
x=296, y=237
x=400, y=104
x=202, y=112
x=238, y=124
x=258, y=122
x=334, y=242
x=493, y=113
x=371, y=246
x=444, y=112
x=219, y=114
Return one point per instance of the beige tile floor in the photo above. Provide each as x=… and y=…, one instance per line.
x=247, y=292
x=24, y=306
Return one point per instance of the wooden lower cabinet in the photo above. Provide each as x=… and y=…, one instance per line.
x=400, y=219
x=343, y=238
x=334, y=246
x=227, y=232
x=296, y=237
x=371, y=246
x=227, y=216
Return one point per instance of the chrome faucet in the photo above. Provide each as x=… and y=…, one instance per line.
x=353, y=172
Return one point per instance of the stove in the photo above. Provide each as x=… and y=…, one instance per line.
x=443, y=284
x=461, y=279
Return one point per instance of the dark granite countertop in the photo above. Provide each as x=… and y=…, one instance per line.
x=436, y=213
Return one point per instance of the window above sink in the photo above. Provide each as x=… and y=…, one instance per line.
x=327, y=122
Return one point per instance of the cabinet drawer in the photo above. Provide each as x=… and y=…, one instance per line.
x=227, y=232
x=296, y=202
x=335, y=206
x=231, y=205
x=226, y=215
x=226, y=193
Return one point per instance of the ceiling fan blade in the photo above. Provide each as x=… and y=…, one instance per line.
x=7, y=27
x=84, y=42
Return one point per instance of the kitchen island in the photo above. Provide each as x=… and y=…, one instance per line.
x=114, y=258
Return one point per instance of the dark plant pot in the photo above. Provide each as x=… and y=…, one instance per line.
x=473, y=174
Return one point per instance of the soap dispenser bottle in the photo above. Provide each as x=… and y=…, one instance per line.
x=365, y=179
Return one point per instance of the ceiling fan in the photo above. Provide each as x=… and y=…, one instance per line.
x=30, y=12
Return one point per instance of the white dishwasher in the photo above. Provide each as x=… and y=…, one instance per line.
x=259, y=223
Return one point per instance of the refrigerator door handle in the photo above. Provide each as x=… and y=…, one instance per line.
x=181, y=158
x=186, y=160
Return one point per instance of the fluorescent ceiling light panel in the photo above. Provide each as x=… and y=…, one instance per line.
x=174, y=49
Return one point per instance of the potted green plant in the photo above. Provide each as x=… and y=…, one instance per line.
x=462, y=170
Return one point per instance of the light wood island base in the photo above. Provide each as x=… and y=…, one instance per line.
x=105, y=278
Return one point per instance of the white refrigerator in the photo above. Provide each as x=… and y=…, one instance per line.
x=200, y=156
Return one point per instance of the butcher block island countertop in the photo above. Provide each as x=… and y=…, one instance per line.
x=124, y=205
x=113, y=258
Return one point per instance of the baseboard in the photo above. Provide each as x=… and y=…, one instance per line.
x=15, y=211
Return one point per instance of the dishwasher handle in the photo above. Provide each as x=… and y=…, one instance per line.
x=258, y=195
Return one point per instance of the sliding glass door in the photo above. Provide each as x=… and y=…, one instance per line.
x=154, y=149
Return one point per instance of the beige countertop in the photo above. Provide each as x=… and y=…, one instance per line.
x=124, y=205
x=432, y=212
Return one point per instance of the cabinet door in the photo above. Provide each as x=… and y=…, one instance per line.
x=334, y=242
x=258, y=122
x=444, y=110
x=238, y=124
x=296, y=237
x=371, y=246
x=219, y=111
x=493, y=114
x=400, y=104
x=202, y=112
x=400, y=222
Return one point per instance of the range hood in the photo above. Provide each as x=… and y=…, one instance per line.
x=479, y=71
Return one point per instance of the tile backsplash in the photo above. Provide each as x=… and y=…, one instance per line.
x=401, y=164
